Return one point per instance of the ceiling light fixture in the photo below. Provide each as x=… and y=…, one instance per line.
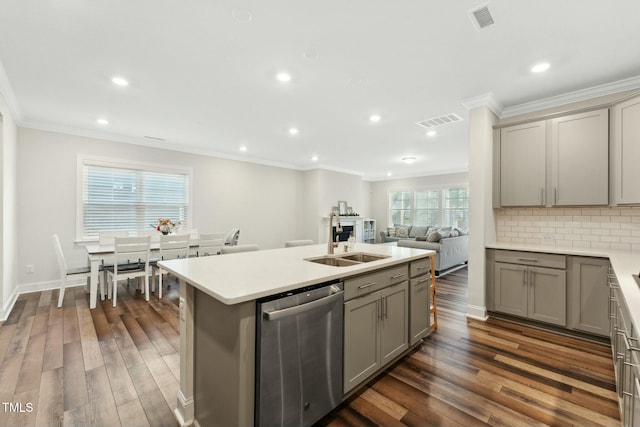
x=103, y=122
x=541, y=67
x=409, y=159
x=293, y=131
x=119, y=81
x=314, y=158
x=283, y=77
x=241, y=15
x=432, y=133
x=243, y=148
x=374, y=118
x=389, y=174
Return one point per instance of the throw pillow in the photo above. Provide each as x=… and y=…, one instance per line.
x=391, y=231
x=454, y=233
x=402, y=231
x=462, y=231
x=434, y=235
x=418, y=230
x=421, y=238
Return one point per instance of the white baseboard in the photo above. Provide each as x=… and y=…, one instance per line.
x=477, y=312
x=27, y=288
x=8, y=306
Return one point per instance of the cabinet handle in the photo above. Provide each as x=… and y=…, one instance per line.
x=422, y=267
x=386, y=308
x=397, y=275
x=532, y=277
x=542, y=196
x=528, y=259
x=422, y=281
x=378, y=309
x=368, y=285
x=524, y=278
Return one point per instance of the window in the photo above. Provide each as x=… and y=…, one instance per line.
x=130, y=196
x=447, y=207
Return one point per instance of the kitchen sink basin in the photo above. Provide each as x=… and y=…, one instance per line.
x=346, y=259
x=363, y=257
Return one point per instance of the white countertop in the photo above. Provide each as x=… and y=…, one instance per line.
x=246, y=276
x=624, y=263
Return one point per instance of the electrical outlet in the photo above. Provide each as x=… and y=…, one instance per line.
x=30, y=268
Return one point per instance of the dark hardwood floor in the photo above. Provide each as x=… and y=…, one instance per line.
x=120, y=366
x=471, y=373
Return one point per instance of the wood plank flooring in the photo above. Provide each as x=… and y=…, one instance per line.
x=496, y=373
x=120, y=366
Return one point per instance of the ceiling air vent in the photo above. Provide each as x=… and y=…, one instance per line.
x=481, y=17
x=440, y=120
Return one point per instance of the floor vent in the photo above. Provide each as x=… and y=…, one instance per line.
x=440, y=120
x=481, y=17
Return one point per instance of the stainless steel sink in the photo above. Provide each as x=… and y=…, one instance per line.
x=346, y=259
x=364, y=257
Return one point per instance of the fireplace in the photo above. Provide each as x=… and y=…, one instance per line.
x=344, y=235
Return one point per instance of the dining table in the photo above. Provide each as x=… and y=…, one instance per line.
x=99, y=253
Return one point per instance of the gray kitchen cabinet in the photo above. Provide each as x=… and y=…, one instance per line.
x=361, y=339
x=522, y=164
x=530, y=285
x=580, y=159
x=420, y=303
x=625, y=151
x=588, y=295
x=375, y=332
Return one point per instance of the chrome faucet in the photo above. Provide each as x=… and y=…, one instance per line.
x=331, y=244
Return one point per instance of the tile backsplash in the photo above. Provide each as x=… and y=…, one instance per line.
x=598, y=228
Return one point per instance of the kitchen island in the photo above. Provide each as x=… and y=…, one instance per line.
x=218, y=319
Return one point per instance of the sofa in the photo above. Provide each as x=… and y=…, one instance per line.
x=451, y=244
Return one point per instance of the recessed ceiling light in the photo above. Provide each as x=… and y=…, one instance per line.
x=374, y=118
x=408, y=159
x=432, y=133
x=119, y=81
x=314, y=158
x=293, y=131
x=389, y=174
x=283, y=77
x=103, y=121
x=243, y=148
x=541, y=67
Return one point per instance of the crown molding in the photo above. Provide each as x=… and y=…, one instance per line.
x=485, y=100
x=631, y=83
x=417, y=175
x=6, y=92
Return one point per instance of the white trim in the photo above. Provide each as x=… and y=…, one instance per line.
x=570, y=97
x=477, y=313
x=418, y=175
x=8, y=306
x=487, y=99
x=6, y=92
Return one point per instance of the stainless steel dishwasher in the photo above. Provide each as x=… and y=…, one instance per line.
x=299, y=355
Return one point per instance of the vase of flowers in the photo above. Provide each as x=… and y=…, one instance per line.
x=165, y=226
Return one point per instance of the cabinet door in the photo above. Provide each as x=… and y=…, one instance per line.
x=547, y=291
x=419, y=309
x=589, y=295
x=522, y=164
x=510, y=290
x=361, y=339
x=625, y=151
x=394, y=320
x=580, y=159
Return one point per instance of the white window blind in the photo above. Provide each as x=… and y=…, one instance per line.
x=130, y=199
x=438, y=207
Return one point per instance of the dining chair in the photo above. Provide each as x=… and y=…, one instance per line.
x=128, y=248
x=65, y=271
x=107, y=238
x=294, y=243
x=171, y=247
x=238, y=248
x=232, y=237
x=210, y=243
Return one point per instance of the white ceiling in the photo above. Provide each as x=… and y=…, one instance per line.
x=202, y=78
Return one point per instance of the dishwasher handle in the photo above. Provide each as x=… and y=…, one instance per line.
x=296, y=309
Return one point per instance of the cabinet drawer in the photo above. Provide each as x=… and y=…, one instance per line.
x=368, y=283
x=532, y=258
x=422, y=266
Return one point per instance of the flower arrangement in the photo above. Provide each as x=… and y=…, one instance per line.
x=165, y=226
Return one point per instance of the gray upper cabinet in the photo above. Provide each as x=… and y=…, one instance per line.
x=580, y=159
x=522, y=164
x=625, y=151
